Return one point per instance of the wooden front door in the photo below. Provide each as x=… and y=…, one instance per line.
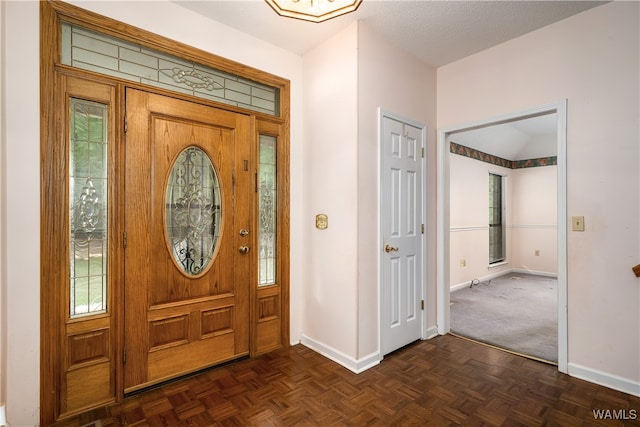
x=188, y=198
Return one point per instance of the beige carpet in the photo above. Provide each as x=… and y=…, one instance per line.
x=517, y=312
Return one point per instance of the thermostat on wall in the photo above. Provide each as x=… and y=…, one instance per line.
x=322, y=221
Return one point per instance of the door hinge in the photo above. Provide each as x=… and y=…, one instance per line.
x=422, y=228
x=126, y=124
x=124, y=240
x=422, y=152
x=124, y=356
x=421, y=304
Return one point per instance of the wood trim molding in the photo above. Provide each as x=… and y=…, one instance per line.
x=50, y=320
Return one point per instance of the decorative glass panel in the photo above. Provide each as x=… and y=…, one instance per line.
x=267, y=193
x=193, y=211
x=88, y=207
x=105, y=54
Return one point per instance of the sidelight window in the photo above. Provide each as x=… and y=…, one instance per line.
x=267, y=197
x=88, y=232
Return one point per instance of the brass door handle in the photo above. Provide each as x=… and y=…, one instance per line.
x=388, y=248
x=244, y=249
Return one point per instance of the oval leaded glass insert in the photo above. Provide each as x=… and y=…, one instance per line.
x=193, y=211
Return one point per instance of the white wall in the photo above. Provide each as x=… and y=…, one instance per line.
x=21, y=172
x=331, y=188
x=533, y=227
x=20, y=196
x=530, y=220
x=347, y=79
x=591, y=59
x=3, y=308
x=413, y=96
x=468, y=218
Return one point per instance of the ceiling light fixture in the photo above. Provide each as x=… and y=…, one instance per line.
x=313, y=10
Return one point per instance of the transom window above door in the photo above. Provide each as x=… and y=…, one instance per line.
x=104, y=54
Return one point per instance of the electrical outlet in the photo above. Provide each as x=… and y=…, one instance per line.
x=463, y=263
x=577, y=223
x=537, y=252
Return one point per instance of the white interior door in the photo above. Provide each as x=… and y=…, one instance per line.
x=401, y=145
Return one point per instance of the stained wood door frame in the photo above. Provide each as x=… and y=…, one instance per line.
x=443, y=225
x=53, y=184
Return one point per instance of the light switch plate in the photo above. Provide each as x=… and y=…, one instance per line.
x=577, y=223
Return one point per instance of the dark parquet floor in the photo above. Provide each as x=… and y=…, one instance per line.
x=445, y=381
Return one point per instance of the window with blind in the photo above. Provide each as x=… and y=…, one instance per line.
x=496, y=219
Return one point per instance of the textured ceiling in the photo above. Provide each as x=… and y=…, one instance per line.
x=438, y=32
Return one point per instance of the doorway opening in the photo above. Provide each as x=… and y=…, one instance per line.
x=463, y=242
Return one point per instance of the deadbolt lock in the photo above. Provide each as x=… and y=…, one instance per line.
x=243, y=232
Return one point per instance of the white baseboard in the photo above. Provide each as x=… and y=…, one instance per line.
x=534, y=272
x=348, y=362
x=605, y=379
x=460, y=286
x=356, y=366
x=502, y=273
x=467, y=283
x=431, y=333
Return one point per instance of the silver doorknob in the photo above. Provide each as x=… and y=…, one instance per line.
x=388, y=248
x=244, y=249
